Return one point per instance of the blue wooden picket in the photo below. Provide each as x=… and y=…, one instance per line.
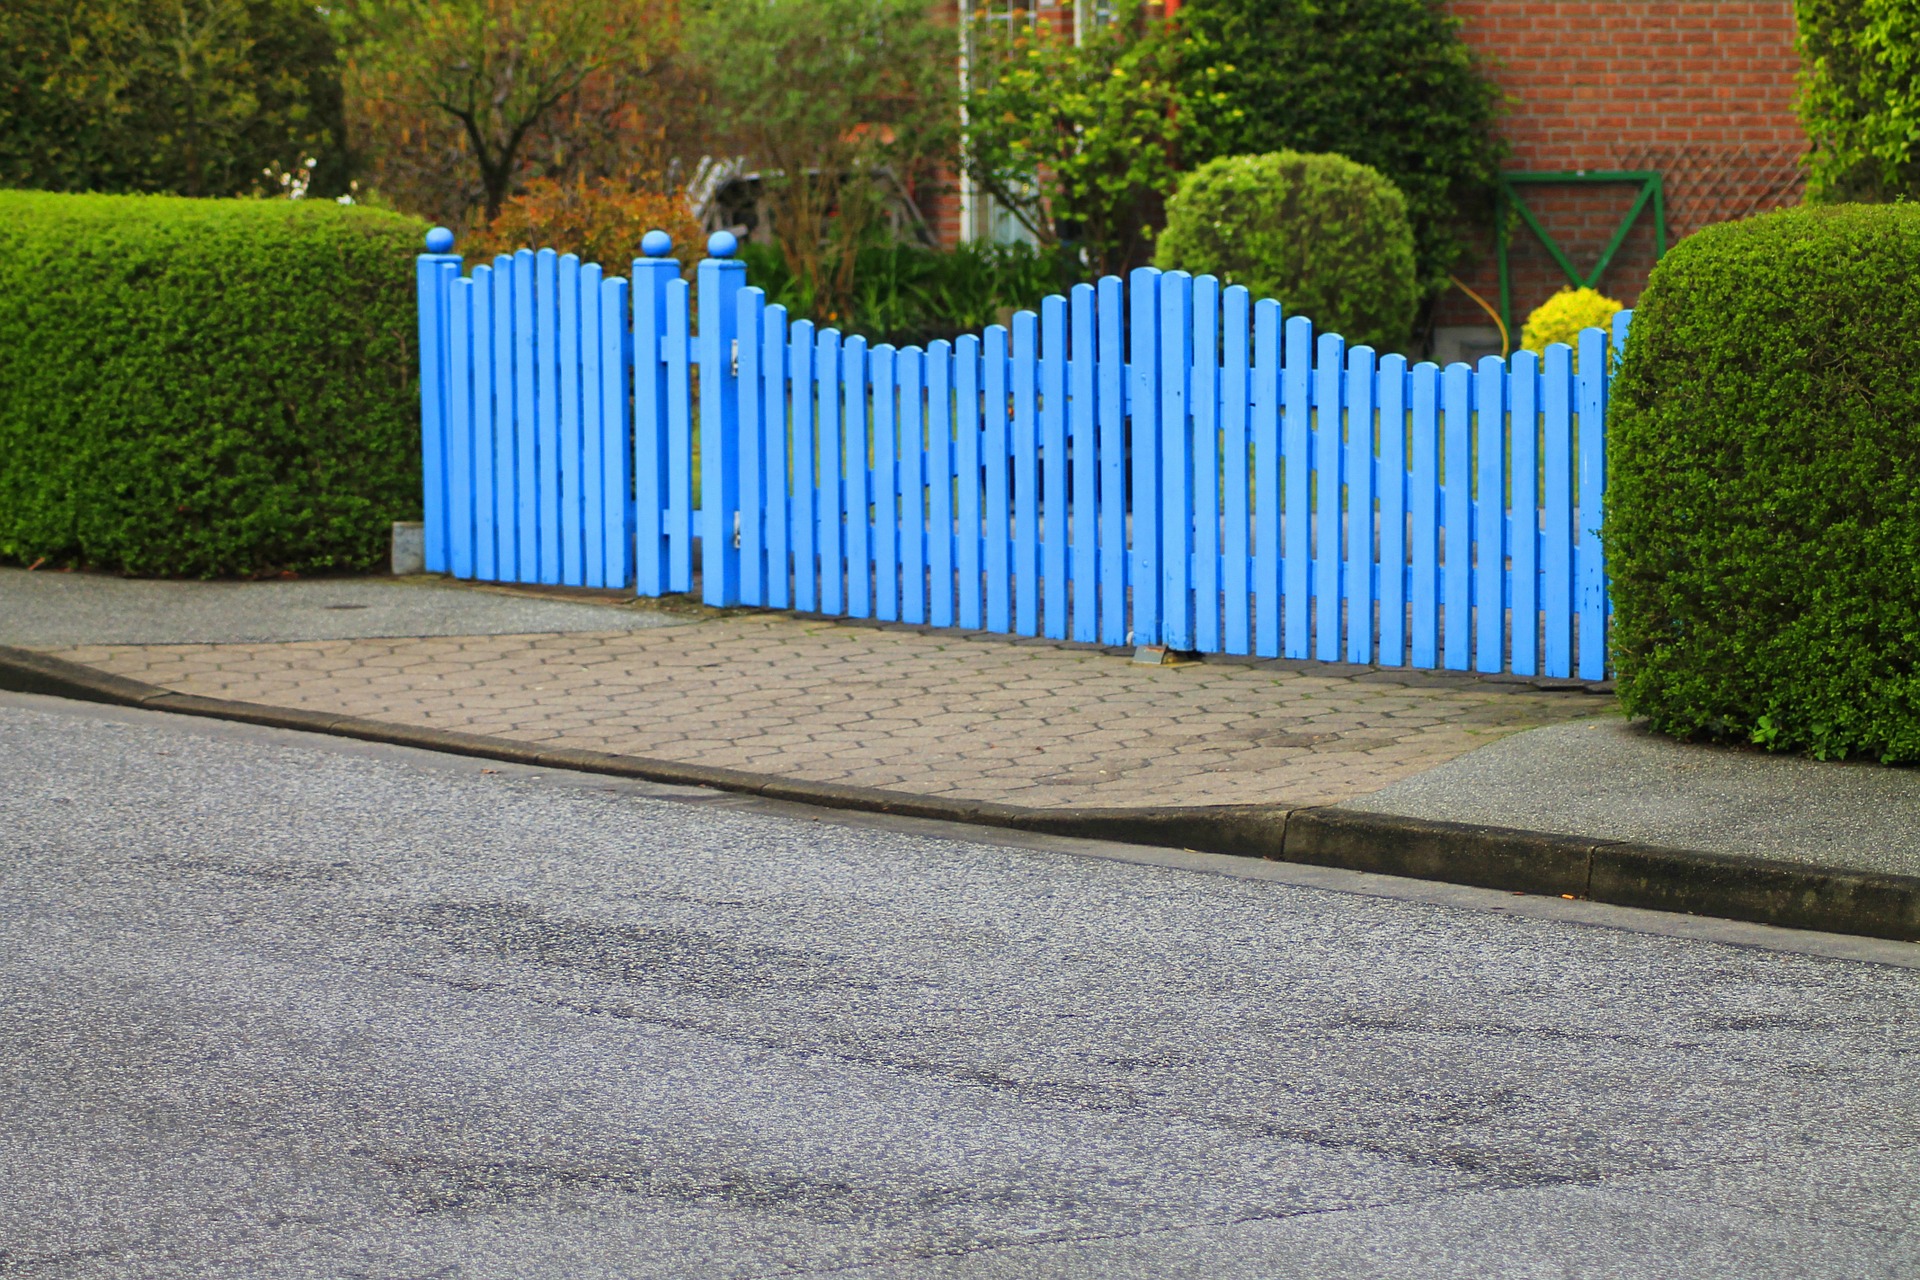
x=1156, y=460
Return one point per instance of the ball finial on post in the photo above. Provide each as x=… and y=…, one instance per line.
x=722, y=244
x=440, y=240
x=656, y=244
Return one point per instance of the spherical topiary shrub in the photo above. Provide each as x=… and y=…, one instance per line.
x=1326, y=237
x=1763, y=500
x=1562, y=317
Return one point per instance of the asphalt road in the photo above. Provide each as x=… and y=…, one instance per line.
x=276, y=1006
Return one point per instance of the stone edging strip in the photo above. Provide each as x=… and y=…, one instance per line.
x=1625, y=873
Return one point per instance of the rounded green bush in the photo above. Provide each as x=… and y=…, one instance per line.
x=1389, y=83
x=1763, y=502
x=205, y=387
x=1326, y=237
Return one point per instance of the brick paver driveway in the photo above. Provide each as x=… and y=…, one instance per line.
x=938, y=713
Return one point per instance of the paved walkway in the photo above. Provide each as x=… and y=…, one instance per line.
x=928, y=712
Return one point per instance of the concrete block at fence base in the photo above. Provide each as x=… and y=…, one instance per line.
x=409, y=547
x=1159, y=655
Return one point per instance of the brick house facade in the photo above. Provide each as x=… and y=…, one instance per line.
x=1701, y=93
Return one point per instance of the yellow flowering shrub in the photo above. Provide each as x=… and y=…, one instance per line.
x=1562, y=317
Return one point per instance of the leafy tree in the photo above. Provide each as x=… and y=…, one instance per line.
x=1860, y=98
x=1080, y=143
x=843, y=105
x=1387, y=83
x=192, y=97
x=453, y=89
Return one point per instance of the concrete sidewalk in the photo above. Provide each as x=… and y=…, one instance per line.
x=1446, y=775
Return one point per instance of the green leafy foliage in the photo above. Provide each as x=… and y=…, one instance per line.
x=907, y=294
x=1387, y=83
x=193, y=97
x=1327, y=237
x=1078, y=142
x=454, y=98
x=1763, y=501
x=1860, y=97
x=840, y=104
x=205, y=387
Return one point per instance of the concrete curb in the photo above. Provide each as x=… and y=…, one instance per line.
x=1765, y=891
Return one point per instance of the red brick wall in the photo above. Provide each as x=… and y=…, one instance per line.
x=1701, y=92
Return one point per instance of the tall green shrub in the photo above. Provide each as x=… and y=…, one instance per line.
x=1860, y=97
x=1388, y=83
x=205, y=387
x=1327, y=237
x=1763, y=505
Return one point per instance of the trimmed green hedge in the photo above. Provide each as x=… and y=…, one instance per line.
x=1327, y=237
x=205, y=387
x=1763, y=502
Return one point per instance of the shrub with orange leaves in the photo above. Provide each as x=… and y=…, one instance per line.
x=601, y=220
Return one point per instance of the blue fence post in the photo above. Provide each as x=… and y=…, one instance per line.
x=886, y=493
x=571, y=514
x=1203, y=461
x=940, y=461
x=856, y=474
x=1391, y=486
x=650, y=489
x=1110, y=318
x=593, y=460
x=806, y=565
x=526, y=463
x=826, y=375
x=1143, y=442
x=753, y=481
x=1556, y=541
x=966, y=466
x=1026, y=473
x=1456, y=483
x=616, y=472
x=1235, y=388
x=1523, y=413
x=432, y=270
x=1082, y=369
x=486, y=565
x=546, y=357
x=458, y=412
x=1176, y=460
x=1053, y=449
x=1329, y=395
x=1423, y=502
x=505, y=488
x=721, y=279
x=1360, y=535
x=911, y=463
x=996, y=507
x=1593, y=376
x=773, y=426
x=1296, y=447
x=1490, y=564
x=1268, y=562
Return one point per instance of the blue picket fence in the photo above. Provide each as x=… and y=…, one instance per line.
x=1158, y=460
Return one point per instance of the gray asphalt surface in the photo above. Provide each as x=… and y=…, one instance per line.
x=279, y=1006
x=1612, y=780
x=91, y=608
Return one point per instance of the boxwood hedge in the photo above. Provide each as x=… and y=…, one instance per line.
x=1763, y=504
x=205, y=387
